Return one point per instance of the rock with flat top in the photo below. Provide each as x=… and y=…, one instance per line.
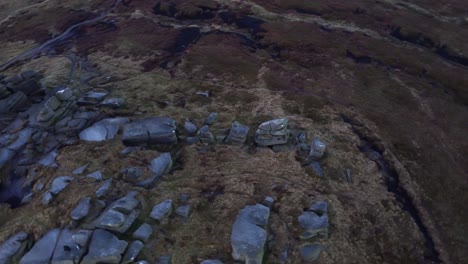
x=13, y=248
x=273, y=132
x=162, y=210
x=156, y=130
x=104, y=248
x=43, y=249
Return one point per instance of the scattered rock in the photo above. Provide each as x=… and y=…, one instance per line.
x=82, y=209
x=311, y=252
x=268, y=202
x=143, y=233
x=81, y=169
x=113, y=103
x=211, y=119
x=161, y=165
x=97, y=175
x=162, y=210
x=101, y=191
x=49, y=159
x=183, y=211
x=47, y=198
x=248, y=238
x=133, y=173
x=43, y=249
x=105, y=248
x=317, y=168
x=205, y=135
x=238, y=133
x=273, y=132
x=319, y=207
x=132, y=252
x=120, y=215
x=59, y=183
x=92, y=98
x=190, y=128
x=313, y=224
x=317, y=149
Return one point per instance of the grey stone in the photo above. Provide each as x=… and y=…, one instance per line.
x=105, y=129
x=248, y=241
x=68, y=251
x=97, y=175
x=205, y=135
x=4, y=92
x=256, y=214
x=313, y=224
x=317, y=168
x=113, y=103
x=47, y=198
x=13, y=102
x=64, y=94
x=211, y=261
x=23, y=137
x=104, y=248
x=319, y=207
x=53, y=103
x=112, y=219
x=317, y=149
x=162, y=210
x=203, y=93
x=273, y=132
x=81, y=169
x=161, y=165
x=143, y=233
x=127, y=203
x=164, y=260
x=141, y=262
x=43, y=249
x=156, y=130
x=82, y=237
x=27, y=199
x=94, y=133
x=183, y=211
x=248, y=238
x=49, y=159
x=92, y=98
x=128, y=150
x=12, y=248
x=101, y=191
x=120, y=215
x=211, y=119
x=82, y=209
x=302, y=137
x=5, y=156
x=59, y=183
x=311, y=252
x=132, y=252
x=190, y=128
x=192, y=140
x=133, y=173
x=238, y=133
x=269, y=201
x=39, y=187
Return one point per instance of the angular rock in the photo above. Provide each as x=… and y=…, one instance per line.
x=101, y=191
x=69, y=251
x=64, y=94
x=82, y=209
x=49, y=159
x=120, y=215
x=238, y=133
x=190, y=128
x=161, y=165
x=162, y=210
x=248, y=242
x=43, y=249
x=104, y=248
x=59, y=183
x=143, y=233
x=205, y=135
x=127, y=203
x=247, y=237
x=81, y=169
x=13, y=248
x=311, y=252
x=313, y=224
x=211, y=119
x=92, y=98
x=132, y=252
x=47, y=198
x=269, y=201
x=317, y=168
x=113, y=103
x=183, y=211
x=82, y=237
x=156, y=130
x=319, y=207
x=256, y=214
x=317, y=149
x=273, y=132
x=97, y=175
x=133, y=173
x=105, y=129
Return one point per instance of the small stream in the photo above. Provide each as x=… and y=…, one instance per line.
x=392, y=182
